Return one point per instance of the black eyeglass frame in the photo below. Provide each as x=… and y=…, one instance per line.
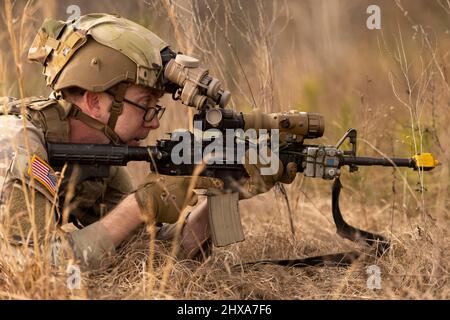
x=158, y=109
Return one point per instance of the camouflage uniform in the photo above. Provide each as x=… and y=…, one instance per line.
x=98, y=52
x=90, y=200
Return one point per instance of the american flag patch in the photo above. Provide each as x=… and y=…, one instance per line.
x=42, y=172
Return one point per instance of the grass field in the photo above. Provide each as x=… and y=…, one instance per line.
x=391, y=84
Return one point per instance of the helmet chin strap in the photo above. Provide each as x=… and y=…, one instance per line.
x=117, y=105
x=116, y=110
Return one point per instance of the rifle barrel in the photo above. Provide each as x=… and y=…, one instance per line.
x=387, y=162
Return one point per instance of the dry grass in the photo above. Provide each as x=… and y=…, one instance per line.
x=392, y=85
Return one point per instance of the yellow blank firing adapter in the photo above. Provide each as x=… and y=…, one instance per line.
x=425, y=161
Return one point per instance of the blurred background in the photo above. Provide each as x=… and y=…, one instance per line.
x=391, y=84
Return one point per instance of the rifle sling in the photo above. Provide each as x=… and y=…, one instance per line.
x=341, y=259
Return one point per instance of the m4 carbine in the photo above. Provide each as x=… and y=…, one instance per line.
x=316, y=161
x=223, y=147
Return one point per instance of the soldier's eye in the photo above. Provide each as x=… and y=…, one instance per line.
x=144, y=101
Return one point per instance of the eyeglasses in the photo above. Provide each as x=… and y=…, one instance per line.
x=150, y=112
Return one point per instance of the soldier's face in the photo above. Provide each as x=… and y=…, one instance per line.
x=131, y=126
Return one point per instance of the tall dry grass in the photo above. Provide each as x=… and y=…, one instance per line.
x=392, y=85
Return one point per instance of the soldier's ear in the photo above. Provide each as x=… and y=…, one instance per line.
x=92, y=103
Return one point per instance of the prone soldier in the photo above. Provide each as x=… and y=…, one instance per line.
x=106, y=75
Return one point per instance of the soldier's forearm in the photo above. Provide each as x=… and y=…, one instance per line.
x=122, y=220
x=126, y=217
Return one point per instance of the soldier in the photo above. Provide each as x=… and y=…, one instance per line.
x=105, y=72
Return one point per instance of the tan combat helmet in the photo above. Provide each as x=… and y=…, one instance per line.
x=97, y=52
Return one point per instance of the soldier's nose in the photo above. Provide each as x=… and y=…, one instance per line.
x=153, y=124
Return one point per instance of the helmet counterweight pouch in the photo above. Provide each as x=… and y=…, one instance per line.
x=46, y=40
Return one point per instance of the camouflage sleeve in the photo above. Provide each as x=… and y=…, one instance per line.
x=21, y=145
x=92, y=246
x=28, y=195
x=27, y=200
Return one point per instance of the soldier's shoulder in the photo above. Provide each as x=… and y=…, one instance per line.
x=12, y=105
x=23, y=144
x=16, y=124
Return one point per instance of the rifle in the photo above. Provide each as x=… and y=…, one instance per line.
x=315, y=161
x=224, y=146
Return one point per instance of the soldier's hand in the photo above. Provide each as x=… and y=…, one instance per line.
x=162, y=198
x=258, y=182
